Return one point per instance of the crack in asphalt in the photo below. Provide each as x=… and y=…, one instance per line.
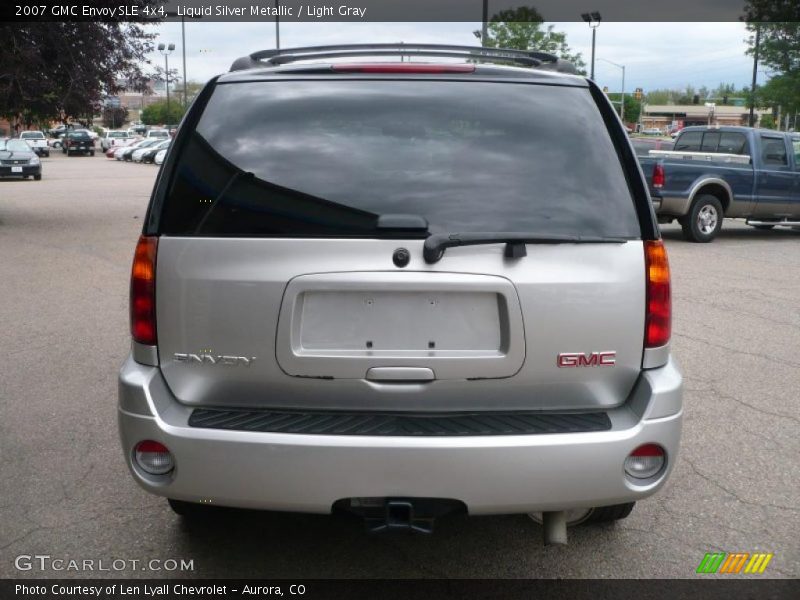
x=773, y=359
x=735, y=495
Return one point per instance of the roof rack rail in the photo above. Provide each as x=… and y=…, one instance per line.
x=531, y=58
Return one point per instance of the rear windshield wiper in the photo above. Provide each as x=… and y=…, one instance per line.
x=435, y=245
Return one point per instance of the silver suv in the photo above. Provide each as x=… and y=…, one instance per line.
x=400, y=289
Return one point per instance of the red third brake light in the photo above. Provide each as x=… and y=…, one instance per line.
x=658, y=176
x=658, y=316
x=143, y=291
x=402, y=68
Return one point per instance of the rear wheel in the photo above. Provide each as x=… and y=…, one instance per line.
x=599, y=514
x=704, y=220
x=763, y=227
x=607, y=514
x=91, y=152
x=38, y=177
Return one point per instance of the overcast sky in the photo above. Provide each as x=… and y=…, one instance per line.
x=656, y=55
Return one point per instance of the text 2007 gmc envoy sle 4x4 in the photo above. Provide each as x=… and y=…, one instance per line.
x=400, y=289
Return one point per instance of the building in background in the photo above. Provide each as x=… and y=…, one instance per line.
x=662, y=116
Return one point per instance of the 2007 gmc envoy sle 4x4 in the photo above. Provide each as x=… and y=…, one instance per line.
x=400, y=289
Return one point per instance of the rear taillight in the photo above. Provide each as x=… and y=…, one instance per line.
x=143, y=291
x=402, y=68
x=658, y=318
x=658, y=176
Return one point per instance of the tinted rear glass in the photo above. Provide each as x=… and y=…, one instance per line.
x=689, y=141
x=328, y=157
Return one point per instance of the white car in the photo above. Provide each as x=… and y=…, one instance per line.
x=160, y=157
x=37, y=141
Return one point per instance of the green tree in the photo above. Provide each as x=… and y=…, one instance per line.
x=114, y=116
x=778, y=25
x=632, y=105
x=156, y=113
x=45, y=74
x=767, y=122
x=523, y=29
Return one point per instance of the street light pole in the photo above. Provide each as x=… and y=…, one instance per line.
x=183, y=48
x=166, y=50
x=593, y=19
x=277, y=25
x=485, y=25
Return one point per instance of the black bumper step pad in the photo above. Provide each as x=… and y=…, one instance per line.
x=399, y=424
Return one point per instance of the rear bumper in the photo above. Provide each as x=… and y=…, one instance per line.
x=308, y=473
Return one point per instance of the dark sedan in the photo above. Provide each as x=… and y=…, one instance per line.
x=18, y=160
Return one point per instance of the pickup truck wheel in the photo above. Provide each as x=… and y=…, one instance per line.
x=37, y=177
x=704, y=220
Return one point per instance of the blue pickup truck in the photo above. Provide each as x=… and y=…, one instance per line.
x=717, y=172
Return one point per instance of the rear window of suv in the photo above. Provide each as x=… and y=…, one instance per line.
x=327, y=158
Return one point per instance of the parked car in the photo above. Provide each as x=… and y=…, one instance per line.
x=147, y=155
x=17, y=159
x=126, y=152
x=159, y=157
x=719, y=172
x=57, y=142
x=115, y=138
x=652, y=131
x=37, y=141
x=315, y=336
x=77, y=142
x=92, y=134
x=59, y=130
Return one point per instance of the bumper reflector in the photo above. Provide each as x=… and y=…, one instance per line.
x=153, y=457
x=645, y=462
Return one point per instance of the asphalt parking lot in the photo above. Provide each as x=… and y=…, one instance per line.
x=66, y=244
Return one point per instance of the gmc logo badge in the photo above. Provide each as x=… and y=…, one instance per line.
x=593, y=359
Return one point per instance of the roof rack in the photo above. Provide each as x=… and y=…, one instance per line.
x=530, y=58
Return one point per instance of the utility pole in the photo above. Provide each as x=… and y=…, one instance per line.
x=755, y=74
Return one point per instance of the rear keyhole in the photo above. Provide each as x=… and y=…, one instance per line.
x=369, y=343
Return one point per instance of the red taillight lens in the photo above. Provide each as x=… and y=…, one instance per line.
x=658, y=176
x=402, y=68
x=658, y=318
x=143, y=291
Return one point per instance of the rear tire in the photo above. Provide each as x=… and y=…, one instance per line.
x=608, y=514
x=704, y=220
x=38, y=177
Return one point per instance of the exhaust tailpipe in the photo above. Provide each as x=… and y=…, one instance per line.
x=554, y=528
